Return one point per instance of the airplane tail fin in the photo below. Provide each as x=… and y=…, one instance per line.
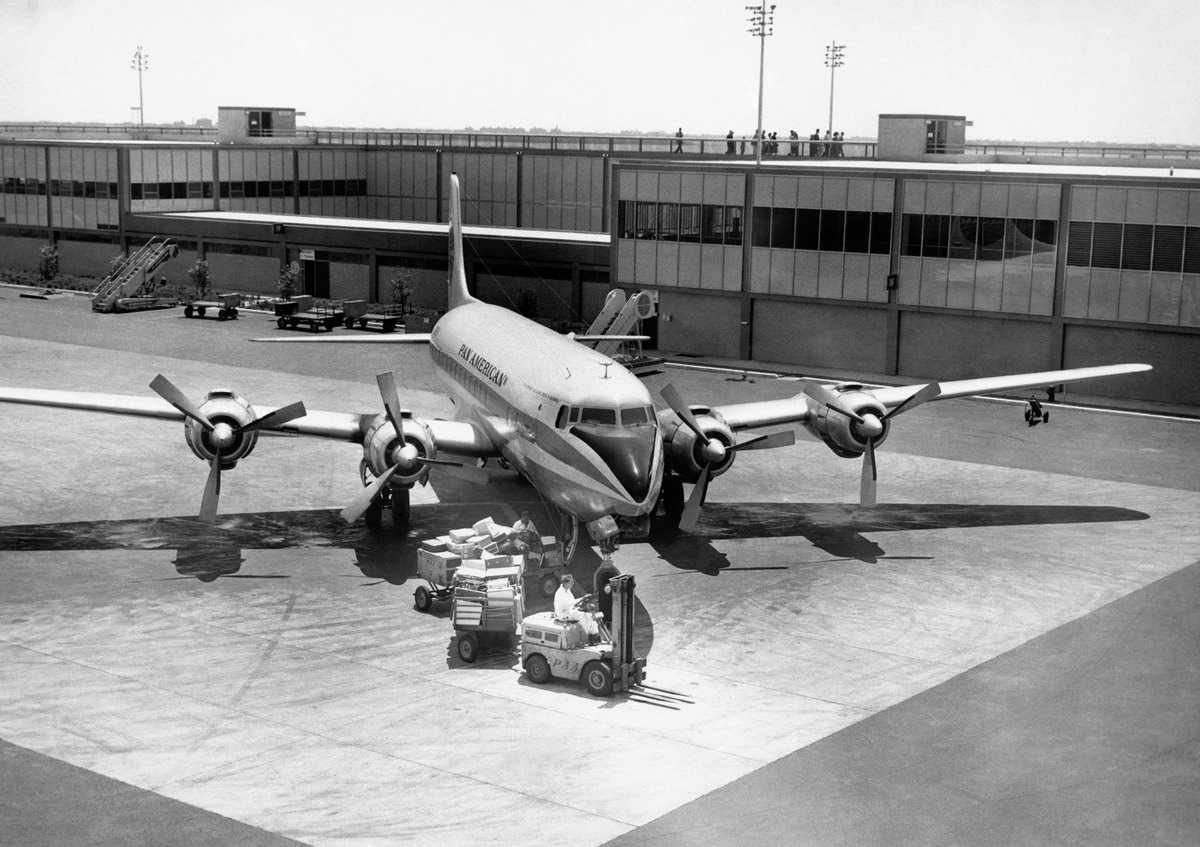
x=458, y=294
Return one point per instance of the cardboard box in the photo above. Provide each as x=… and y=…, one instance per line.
x=437, y=567
x=434, y=545
x=483, y=527
x=461, y=535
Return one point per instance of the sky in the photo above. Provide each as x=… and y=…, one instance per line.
x=1027, y=70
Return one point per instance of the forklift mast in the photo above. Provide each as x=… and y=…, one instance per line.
x=627, y=669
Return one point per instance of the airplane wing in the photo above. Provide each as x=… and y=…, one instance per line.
x=797, y=409
x=117, y=404
x=457, y=437
x=405, y=338
x=894, y=396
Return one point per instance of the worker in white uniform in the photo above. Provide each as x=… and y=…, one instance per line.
x=565, y=609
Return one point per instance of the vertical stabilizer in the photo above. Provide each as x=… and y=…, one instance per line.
x=458, y=293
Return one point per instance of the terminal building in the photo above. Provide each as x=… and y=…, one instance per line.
x=914, y=256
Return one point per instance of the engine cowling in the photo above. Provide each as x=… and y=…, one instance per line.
x=228, y=413
x=845, y=436
x=382, y=449
x=684, y=452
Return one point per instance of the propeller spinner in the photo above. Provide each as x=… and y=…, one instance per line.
x=713, y=452
x=406, y=459
x=222, y=436
x=870, y=427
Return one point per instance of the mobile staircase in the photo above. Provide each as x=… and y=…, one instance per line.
x=623, y=317
x=131, y=284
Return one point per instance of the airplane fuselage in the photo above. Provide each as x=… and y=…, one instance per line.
x=575, y=423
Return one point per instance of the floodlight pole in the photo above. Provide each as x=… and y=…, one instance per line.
x=762, y=19
x=833, y=61
x=141, y=62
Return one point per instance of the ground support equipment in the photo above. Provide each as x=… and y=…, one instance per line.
x=386, y=318
x=316, y=319
x=554, y=647
x=487, y=606
x=224, y=307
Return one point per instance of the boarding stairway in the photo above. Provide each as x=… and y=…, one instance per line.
x=622, y=317
x=131, y=284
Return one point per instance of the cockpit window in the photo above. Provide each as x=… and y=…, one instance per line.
x=595, y=415
x=634, y=416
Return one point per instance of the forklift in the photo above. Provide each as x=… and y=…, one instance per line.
x=551, y=647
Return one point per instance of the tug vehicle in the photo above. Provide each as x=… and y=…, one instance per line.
x=553, y=647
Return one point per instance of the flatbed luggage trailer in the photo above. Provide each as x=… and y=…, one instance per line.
x=321, y=317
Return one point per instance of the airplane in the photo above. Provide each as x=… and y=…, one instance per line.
x=582, y=429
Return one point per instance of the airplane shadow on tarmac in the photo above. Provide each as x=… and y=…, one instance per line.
x=383, y=555
x=837, y=529
x=209, y=551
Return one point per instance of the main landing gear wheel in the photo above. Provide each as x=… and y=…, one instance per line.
x=401, y=510
x=468, y=648
x=598, y=679
x=537, y=669
x=548, y=585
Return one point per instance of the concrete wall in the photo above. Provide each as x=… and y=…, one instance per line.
x=86, y=258
x=941, y=346
x=699, y=324
x=1174, y=357
x=826, y=336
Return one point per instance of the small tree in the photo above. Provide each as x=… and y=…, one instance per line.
x=402, y=289
x=48, y=263
x=287, y=282
x=201, y=277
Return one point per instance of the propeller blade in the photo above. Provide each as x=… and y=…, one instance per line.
x=459, y=470
x=826, y=396
x=675, y=400
x=355, y=508
x=866, y=490
x=391, y=401
x=691, y=511
x=767, y=441
x=164, y=388
x=926, y=394
x=212, y=491
x=277, y=417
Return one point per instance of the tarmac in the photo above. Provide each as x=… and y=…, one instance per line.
x=1002, y=652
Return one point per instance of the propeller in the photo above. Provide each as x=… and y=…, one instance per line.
x=713, y=452
x=871, y=427
x=407, y=457
x=221, y=435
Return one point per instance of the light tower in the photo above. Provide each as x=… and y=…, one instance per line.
x=833, y=61
x=762, y=19
x=141, y=62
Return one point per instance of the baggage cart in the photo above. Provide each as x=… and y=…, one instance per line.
x=486, y=609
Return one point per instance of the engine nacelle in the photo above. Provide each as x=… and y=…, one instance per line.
x=684, y=453
x=846, y=436
x=382, y=449
x=228, y=413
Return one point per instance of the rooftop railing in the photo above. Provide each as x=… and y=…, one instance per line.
x=590, y=142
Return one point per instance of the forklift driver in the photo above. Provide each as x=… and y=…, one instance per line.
x=566, y=610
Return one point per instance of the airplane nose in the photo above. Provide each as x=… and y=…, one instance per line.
x=628, y=453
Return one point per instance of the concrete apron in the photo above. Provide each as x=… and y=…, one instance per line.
x=304, y=695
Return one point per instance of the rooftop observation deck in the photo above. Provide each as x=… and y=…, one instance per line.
x=621, y=144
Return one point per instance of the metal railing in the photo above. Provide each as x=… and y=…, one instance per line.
x=584, y=142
